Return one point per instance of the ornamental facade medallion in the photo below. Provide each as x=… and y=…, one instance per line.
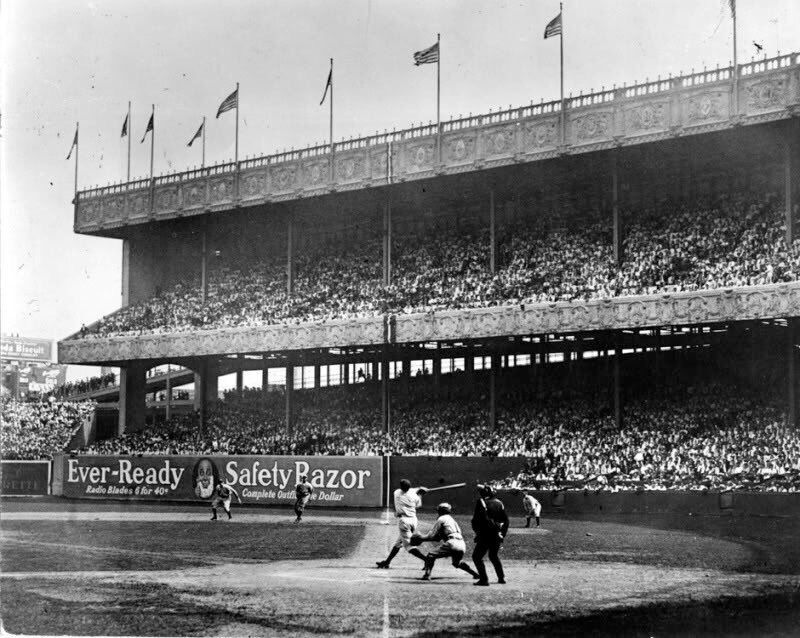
x=195, y=194
x=254, y=184
x=704, y=107
x=591, y=127
x=540, y=134
x=766, y=95
x=647, y=117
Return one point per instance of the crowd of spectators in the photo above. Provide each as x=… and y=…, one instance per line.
x=709, y=437
x=39, y=429
x=82, y=386
x=727, y=242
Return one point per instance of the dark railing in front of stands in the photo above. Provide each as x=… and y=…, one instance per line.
x=604, y=96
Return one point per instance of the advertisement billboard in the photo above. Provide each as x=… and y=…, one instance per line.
x=269, y=480
x=25, y=478
x=26, y=349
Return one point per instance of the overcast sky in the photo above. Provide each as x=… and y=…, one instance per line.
x=65, y=61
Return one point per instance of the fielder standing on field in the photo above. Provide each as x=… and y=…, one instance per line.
x=406, y=501
x=451, y=542
x=531, y=507
x=223, y=494
x=303, y=493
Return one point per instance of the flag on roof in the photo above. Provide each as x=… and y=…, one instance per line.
x=150, y=127
x=230, y=102
x=327, y=86
x=553, y=27
x=196, y=135
x=125, y=126
x=74, y=143
x=427, y=56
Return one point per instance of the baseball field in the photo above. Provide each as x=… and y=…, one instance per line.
x=81, y=568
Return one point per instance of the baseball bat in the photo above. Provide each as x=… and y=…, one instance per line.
x=447, y=487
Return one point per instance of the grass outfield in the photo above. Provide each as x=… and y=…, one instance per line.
x=63, y=546
x=112, y=569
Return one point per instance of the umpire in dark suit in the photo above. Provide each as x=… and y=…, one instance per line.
x=490, y=523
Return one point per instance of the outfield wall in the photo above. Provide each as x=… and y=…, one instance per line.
x=358, y=482
x=700, y=502
x=344, y=481
x=25, y=478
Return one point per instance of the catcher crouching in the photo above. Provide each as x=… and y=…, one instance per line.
x=451, y=542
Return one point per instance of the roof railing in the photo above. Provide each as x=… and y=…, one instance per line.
x=706, y=76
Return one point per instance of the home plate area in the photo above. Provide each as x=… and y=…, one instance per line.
x=261, y=575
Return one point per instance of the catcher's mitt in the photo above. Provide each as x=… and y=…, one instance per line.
x=416, y=540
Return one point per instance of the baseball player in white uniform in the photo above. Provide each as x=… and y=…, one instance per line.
x=223, y=494
x=532, y=508
x=451, y=542
x=406, y=501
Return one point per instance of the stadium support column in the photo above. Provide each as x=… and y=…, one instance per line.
x=290, y=257
x=126, y=272
x=616, y=390
x=791, y=370
x=387, y=244
x=239, y=376
x=289, y=394
x=493, y=372
x=437, y=369
x=615, y=207
x=492, y=234
x=790, y=141
x=204, y=264
x=264, y=376
x=132, y=390
x=206, y=388
x=386, y=396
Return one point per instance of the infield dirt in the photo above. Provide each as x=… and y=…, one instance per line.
x=169, y=571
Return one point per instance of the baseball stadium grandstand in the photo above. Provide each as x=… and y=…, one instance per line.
x=610, y=291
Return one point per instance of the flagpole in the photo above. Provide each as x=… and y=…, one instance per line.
x=735, y=64
x=330, y=127
x=438, y=93
x=203, y=162
x=152, y=138
x=77, y=150
x=236, y=151
x=561, y=40
x=129, y=140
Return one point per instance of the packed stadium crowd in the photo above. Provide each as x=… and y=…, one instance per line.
x=39, y=429
x=710, y=437
x=82, y=386
x=732, y=241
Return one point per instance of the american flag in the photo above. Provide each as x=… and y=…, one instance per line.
x=150, y=127
x=74, y=143
x=230, y=102
x=196, y=135
x=553, y=27
x=427, y=56
x=328, y=85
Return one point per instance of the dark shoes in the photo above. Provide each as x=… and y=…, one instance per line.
x=481, y=583
x=502, y=581
x=382, y=564
x=428, y=567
